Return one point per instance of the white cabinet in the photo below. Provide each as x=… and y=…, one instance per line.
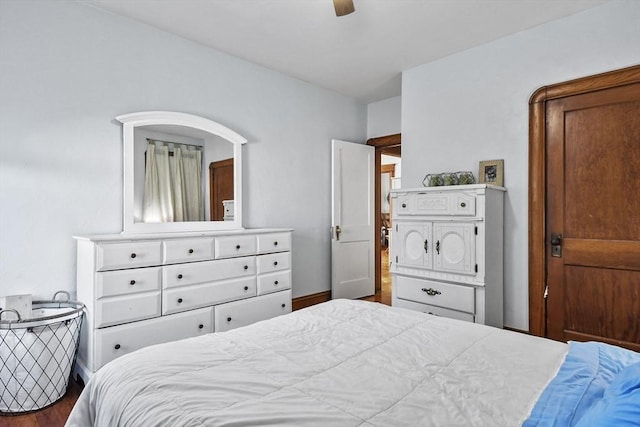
x=447, y=251
x=152, y=289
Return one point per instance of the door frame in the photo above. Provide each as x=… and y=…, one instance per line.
x=381, y=144
x=537, y=178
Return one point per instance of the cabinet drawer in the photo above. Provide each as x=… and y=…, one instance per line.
x=187, y=250
x=432, y=309
x=123, y=282
x=274, y=282
x=436, y=204
x=274, y=242
x=233, y=246
x=241, y=313
x=454, y=297
x=189, y=297
x=273, y=262
x=207, y=271
x=127, y=308
x=116, y=256
x=119, y=340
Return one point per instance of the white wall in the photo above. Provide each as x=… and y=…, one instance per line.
x=473, y=106
x=383, y=117
x=67, y=70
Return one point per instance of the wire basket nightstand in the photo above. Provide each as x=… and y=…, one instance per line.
x=37, y=354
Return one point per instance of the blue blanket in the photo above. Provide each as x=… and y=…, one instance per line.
x=597, y=385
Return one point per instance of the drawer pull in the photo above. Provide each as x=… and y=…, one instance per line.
x=426, y=246
x=133, y=282
x=284, y=305
x=246, y=267
x=190, y=251
x=431, y=291
x=404, y=205
x=275, y=283
x=275, y=243
x=438, y=247
x=246, y=288
x=133, y=255
x=200, y=326
x=179, y=300
x=179, y=276
x=275, y=262
x=237, y=247
x=228, y=319
x=117, y=347
x=463, y=204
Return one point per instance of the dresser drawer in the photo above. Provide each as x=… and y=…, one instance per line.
x=274, y=242
x=241, y=313
x=436, y=204
x=234, y=246
x=187, y=250
x=432, y=309
x=207, y=271
x=273, y=262
x=274, y=282
x=126, y=308
x=116, y=341
x=123, y=282
x=189, y=297
x=116, y=256
x=454, y=297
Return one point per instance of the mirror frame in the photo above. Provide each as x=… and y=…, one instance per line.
x=147, y=118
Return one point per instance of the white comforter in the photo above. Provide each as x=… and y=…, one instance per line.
x=341, y=363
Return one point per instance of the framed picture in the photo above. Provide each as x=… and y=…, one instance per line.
x=492, y=172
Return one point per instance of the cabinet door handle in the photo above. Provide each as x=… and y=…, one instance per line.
x=284, y=305
x=228, y=319
x=431, y=291
x=179, y=300
x=438, y=247
x=117, y=347
x=426, y=246
x=200, y=326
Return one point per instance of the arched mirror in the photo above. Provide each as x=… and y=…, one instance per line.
x=181, y=173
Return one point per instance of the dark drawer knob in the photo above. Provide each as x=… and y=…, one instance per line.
x=237, y=247
x=404, y=205
x=431, y=291
x=179, y=300
x=246, y=288
x=275, y=283
x=117, y=347
x=133, y=255
x=463, y=204
x=275, y=243
x=275, y=262
x=179, y=276
x=284, y=305
x=200, y=326
x=246, y=267
x=190, y=251
x=228, y=319
x=133, y=282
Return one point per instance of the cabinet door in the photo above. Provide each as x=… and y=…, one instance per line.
x=415, y=245
x=455, y=247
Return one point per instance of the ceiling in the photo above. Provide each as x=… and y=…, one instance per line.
x=360, y=55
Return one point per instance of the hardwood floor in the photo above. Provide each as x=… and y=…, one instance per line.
x=384, y=296
x=53, y=416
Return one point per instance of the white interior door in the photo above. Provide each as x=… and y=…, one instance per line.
x=352, y=220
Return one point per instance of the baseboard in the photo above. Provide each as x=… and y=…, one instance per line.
x=516, y=330
x=309, y=300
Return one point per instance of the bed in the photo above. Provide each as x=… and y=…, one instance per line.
x=348, y=363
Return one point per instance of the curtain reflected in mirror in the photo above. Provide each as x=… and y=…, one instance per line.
x=172, y=190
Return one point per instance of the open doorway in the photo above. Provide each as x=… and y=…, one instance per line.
x=387, y=176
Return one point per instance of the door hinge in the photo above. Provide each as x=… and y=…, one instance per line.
x=476, y=268
x=546, y=292
x=476, y=230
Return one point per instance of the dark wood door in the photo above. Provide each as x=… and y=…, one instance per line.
x=220, y=187
x=593, y=209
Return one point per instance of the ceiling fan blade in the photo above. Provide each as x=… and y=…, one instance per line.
x=343, y=7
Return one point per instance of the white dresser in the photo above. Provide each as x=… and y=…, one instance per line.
x=447, y=251
x=150, y=289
